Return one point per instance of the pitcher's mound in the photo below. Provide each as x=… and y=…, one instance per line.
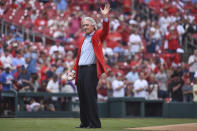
x=177, y=127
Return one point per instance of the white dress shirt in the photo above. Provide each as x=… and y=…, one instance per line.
x=87, y=52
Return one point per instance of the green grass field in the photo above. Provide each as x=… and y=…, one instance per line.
x=68, y=124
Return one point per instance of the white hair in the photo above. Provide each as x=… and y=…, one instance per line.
x=92, y=21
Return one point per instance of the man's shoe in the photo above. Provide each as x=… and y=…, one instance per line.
x=81, y=126
x=92, y=127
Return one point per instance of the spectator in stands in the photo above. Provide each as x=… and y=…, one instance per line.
x=107, y=51
x=74, y=24
x=115, y=23
x=2, y=8
x=128, y=88
x=31, y=60
x=157, y=34
x=162, y=79
x=33, y=106
x=6, y=58
x=118, y=86
x=23, y=81
x=57, y=48
x=7, y=79
x=153, y=88
x=113, y=60
x=119, y=49
x=175, y=88
x=110, y=77
x=42, y=58
x=124, y=31
x=59, y=32
x=193, y=64
x=10, y=39
x=41, y=21
x=173, y=40
x=151, y=64
x=141, y=86
x=136, y=61
x=151, y=41
x=132, y=75
x=180, y=30
x=17, y=72
x=69, y=61
x=185, y=71
x=126, y=6
x=188, y=91
x=12, y=30
x=49, y=106
x=43, y=71
x=114, y=38
x=18, y=37
x=164, y=21
x=192, y=27
x=27, y=22
x=103, y=86
x=146, y=68
x=14, y=47
x=33, y=16
x=50, y=72
x=61, y=5
x=135, y=42
x=43, y=86
x=54, y=87
x=60, y=68
x=35, y=83
x=18, y=60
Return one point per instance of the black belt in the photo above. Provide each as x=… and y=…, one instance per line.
x=89, y=65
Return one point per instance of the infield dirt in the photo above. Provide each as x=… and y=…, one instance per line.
x=177, y=127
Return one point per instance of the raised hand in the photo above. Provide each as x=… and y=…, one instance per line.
x=105, y=11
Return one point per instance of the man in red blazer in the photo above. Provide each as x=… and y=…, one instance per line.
x=88, y=68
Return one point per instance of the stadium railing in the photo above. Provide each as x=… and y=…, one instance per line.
x=28, y=34
x=121, y=107
x=135, y=107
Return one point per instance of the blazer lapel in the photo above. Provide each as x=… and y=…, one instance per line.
x=80, y=45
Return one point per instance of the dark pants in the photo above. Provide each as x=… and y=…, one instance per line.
x=86, y=85
x=188, y=97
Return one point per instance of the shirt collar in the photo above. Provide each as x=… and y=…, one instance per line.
x=90, y=35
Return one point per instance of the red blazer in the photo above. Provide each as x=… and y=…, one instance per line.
x=97, y=39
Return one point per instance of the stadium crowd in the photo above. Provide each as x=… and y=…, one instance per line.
x=143, y=51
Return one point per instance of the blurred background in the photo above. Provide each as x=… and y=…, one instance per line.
x=150, y=51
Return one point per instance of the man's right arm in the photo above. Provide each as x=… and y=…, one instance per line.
x=105, y=13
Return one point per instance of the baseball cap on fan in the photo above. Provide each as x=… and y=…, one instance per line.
x=15, y=44
x=119, y=74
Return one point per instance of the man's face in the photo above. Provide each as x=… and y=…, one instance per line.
x=141, y=75
x=87, y=27
x=6, y=53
